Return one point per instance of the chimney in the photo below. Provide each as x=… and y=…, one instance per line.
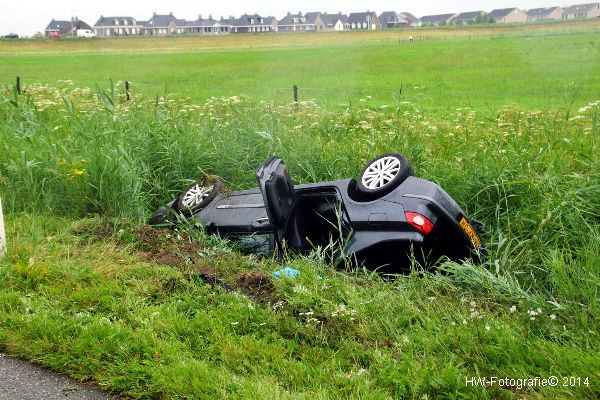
x=209, y=16
x=199, y=17
x=171, y=14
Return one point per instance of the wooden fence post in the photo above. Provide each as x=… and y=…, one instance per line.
x=296, y=96
x=2, y=233
x=18, y=85
x=127, y=90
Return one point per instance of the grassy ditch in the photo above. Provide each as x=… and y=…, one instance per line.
x=104, y=300
x=124, y=306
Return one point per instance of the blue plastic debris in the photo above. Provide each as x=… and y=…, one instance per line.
x=287, y=271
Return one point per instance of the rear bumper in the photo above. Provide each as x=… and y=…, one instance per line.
x=453, y=218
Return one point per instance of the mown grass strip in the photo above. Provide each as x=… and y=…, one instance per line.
x=105, y=315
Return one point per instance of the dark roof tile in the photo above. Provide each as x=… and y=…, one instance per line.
x=501, y=12
x=436, y=18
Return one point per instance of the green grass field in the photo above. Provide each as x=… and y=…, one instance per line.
x=477, y=68
x=88, y=290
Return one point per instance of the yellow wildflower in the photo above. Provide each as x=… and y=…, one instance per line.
x=77, y=172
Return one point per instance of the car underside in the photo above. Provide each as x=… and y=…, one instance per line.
x=386, y=220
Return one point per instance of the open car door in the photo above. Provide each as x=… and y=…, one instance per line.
x=277, y=190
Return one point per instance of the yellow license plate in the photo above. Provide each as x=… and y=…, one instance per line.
x=468, y=229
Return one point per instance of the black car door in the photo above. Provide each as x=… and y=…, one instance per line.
x=277, y=190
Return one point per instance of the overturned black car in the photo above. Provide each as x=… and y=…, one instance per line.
x=387, y=219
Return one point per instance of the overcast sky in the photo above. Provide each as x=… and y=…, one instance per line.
x=26, y=17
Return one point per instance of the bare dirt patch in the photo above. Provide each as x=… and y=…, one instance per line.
x=165, y=247
x=256, y=285
x=177, y=249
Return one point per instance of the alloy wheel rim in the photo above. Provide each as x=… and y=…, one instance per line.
x=381, y=172
x=196, y=195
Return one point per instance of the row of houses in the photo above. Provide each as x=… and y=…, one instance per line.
x=168, y=24
x=250, y=23
x=514, y=14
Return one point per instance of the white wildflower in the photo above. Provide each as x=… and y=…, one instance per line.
x=307, y=313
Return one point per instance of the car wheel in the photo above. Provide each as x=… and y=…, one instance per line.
x=199, y=195
x=383, y=174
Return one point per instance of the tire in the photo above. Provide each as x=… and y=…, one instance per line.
x=383, y=174
x=160, y=218
x=199, y=195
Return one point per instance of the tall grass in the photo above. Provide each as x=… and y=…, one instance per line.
x=532, y=176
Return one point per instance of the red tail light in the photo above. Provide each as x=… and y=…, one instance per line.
x=419, y=222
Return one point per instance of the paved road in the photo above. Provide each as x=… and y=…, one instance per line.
x=20, y=380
